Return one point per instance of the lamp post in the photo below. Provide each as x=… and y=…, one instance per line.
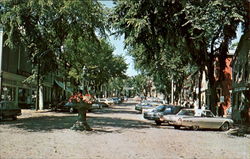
x=1, y=56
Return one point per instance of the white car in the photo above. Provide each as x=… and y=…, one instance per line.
x=108, y=101
x=198, y=119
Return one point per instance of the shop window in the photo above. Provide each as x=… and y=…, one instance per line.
x=8, y=93
x=23, y=95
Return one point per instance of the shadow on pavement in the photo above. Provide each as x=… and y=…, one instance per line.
x=42, y=123
x=118, y=123
x=128, y=104
x=50, y=123
x=114, y=111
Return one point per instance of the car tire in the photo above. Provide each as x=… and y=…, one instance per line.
x=224, y=127
x=158, y=122
x=195, y=127
x=177, y=127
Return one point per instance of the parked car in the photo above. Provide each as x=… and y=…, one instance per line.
x=142, y=105
x=157, y=112
x=9, y=109
x=96, y=105
x=64, y=106
x=146, y=105
x=108, y=101
x=117, y=100
x=198, y=119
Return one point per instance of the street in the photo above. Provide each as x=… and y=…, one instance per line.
x=118, y=132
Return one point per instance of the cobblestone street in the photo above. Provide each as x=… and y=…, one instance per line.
x=119, y=132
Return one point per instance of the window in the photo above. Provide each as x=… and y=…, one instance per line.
x=8, y=93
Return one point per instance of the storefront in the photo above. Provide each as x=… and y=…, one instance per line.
x=23, y=94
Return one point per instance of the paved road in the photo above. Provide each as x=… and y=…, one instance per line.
x=119, y=133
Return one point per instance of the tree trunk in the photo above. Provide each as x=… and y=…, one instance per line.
x=200, y=80
x=81, y=123
x=212, y=87
x=41, y=102
x=37, y=86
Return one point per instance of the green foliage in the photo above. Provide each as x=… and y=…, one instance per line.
x=156, y=49
x=167, y=37
x=63, y=36
x=97, y=60
x=43, y=26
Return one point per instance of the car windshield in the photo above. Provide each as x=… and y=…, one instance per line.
x=186, y=112
x=145, y=104
x=176, y=109
x=159, y=108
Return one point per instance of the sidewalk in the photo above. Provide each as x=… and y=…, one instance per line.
x=242, y=130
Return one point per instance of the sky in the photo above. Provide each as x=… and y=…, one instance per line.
x=117, y=42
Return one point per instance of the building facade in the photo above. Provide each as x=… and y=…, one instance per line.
x=241, y=81
x=223, y=77
x=14, y=70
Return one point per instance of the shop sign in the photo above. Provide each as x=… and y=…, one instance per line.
x=238, y=89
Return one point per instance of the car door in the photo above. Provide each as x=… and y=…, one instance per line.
x=208, y=120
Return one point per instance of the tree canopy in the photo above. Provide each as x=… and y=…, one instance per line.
x=180, y=33
x=63, y=36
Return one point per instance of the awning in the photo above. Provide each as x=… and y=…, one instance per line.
x=62, y=85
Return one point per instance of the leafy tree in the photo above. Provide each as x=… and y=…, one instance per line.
x=199, y=29
x=44, y=26
x=98, y=62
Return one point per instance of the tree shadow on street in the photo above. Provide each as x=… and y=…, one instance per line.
x=118, y=123
x=51, y=123
x=42, y=123
x=114, y=111
x=127, y=104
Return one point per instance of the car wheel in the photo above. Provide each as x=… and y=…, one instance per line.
x=158, y=122
x=177, y=127
x=224, y=127
x=71, y=110
x=195, y=127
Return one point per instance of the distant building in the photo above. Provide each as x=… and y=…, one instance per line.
x=241, y=81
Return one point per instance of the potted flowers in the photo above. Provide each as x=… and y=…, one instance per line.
x=82, y=103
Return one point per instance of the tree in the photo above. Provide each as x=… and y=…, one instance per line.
x=98, y=61
x=199, y=29
x=44, y=26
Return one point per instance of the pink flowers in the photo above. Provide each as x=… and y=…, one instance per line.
x=78, y=97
